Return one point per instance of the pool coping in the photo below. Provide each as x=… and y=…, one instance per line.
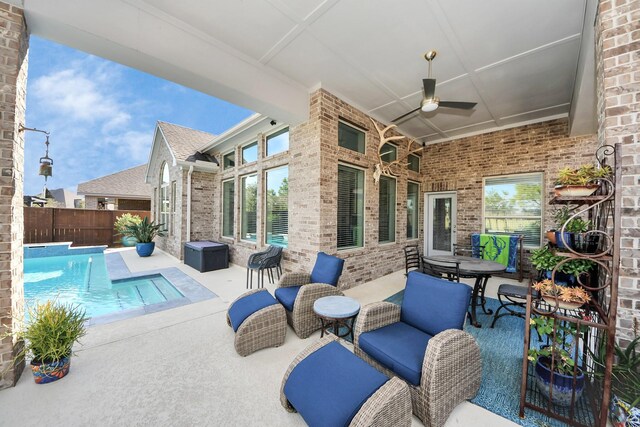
x=191, y=289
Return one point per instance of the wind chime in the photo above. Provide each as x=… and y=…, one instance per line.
x=46, y=162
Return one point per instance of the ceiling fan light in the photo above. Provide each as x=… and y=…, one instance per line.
x=428, y=105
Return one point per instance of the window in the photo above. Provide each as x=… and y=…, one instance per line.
x=387, y=210
x=388, y=153
x=277, y=201
x=350, y=207
x=249, y=198
x=278, y=142
x=414, y=163
x=350, y=137
x=173, y=207
x=413, y=197
x=227, y=208
x=513, y=204
x=229, y=160
x=250, y=153
x=164, y=197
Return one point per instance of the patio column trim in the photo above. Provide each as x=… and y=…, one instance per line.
x=13, y=75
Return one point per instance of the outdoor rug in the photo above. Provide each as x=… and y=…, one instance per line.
x=501, y=351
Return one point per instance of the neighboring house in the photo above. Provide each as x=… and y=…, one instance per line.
x=64, y=198
x=327, y=164
x=124, y=190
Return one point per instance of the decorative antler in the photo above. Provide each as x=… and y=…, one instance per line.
x=387, y=169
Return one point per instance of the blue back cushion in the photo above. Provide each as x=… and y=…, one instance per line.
x=248, y=305
x=329, y=386
x=434, y=305
x=398, y=347
x=328, y=269
x=287, y=296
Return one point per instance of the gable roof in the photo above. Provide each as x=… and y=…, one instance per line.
x=183, y=142
x=64, y=197
x=128, y=183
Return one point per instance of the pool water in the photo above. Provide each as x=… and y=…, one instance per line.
x=83, y=280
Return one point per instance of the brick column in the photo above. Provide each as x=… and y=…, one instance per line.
x=13, y=85
x=618, y=87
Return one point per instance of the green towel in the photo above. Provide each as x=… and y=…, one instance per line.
x=496, y=247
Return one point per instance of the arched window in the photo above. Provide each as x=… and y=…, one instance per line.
x=163, y=203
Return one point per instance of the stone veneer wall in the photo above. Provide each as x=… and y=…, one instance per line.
x=90, y=202
x=618, y=87
x=460, y=165
x=13, y=85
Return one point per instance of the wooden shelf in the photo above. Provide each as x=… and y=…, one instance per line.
x=577, y=200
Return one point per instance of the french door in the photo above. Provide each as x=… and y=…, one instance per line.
x=439, y=223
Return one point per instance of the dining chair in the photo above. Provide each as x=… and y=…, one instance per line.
x=468, y=250
x=412, y=259
x=449, y=270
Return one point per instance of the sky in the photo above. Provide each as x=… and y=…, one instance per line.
x=102, y=115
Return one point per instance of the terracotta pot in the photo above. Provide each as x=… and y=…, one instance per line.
x=576, y=190
x=551, y=236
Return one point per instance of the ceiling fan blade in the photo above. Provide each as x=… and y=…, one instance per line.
x=429, y=86
x=455, y=104
x=405, y=115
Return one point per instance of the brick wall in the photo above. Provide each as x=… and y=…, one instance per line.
x=460, y=165
x=172, y=243
x=90, y=202
x=618, y=87
x=374, y=259
x=204, y=219
x=13, y=78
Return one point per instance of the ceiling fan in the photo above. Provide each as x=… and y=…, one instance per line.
x=430, y=102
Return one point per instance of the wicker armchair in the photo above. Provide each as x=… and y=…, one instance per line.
x=390, y=405
x=298, y=291
x=433, y=310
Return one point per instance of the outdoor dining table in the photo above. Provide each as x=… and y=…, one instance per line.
x=477, y=268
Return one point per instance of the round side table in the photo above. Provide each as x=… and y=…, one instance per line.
x=337, y=311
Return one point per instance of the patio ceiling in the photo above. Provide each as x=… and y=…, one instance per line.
x=521, y=62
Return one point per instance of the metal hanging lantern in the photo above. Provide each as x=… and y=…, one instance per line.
x=46, y=163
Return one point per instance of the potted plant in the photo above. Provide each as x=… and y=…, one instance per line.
x=119, y=225
x=544, y=260
x=581, y=181
x=569, y=297
x=49, y=335
x=574, y=229
x=144, y=232
x=554, y=363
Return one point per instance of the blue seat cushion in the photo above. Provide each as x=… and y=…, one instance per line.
x=434, y=305
x=287, y=296
x=327, y=269
x=248, y=305
x=329, y=386
x=398, y=347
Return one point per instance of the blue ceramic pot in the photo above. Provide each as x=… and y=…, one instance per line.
x=562, y=384
x=145, y=249
x=49, y=372
x=128, y=241
x=568, y=237
x=622, y=414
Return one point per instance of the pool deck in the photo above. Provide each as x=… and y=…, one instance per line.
x=178, y=367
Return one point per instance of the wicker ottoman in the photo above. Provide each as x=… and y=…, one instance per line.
x=258, y=320
x=330, y=386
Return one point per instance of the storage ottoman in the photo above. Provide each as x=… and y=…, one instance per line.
x=330, y=386
x=258, y=320
x=206, y=255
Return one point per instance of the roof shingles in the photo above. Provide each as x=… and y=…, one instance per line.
x=127, y=183
x=184, y=142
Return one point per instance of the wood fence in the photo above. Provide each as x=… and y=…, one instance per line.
x=83, y=227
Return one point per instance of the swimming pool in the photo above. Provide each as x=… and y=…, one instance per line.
x=83, y=279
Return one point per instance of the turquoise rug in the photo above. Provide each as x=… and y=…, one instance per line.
x=501, y=350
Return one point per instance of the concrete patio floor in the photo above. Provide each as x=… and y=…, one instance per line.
x=178, y=367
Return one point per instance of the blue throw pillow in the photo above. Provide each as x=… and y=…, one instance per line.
x=434, y=305
x=327, y=269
